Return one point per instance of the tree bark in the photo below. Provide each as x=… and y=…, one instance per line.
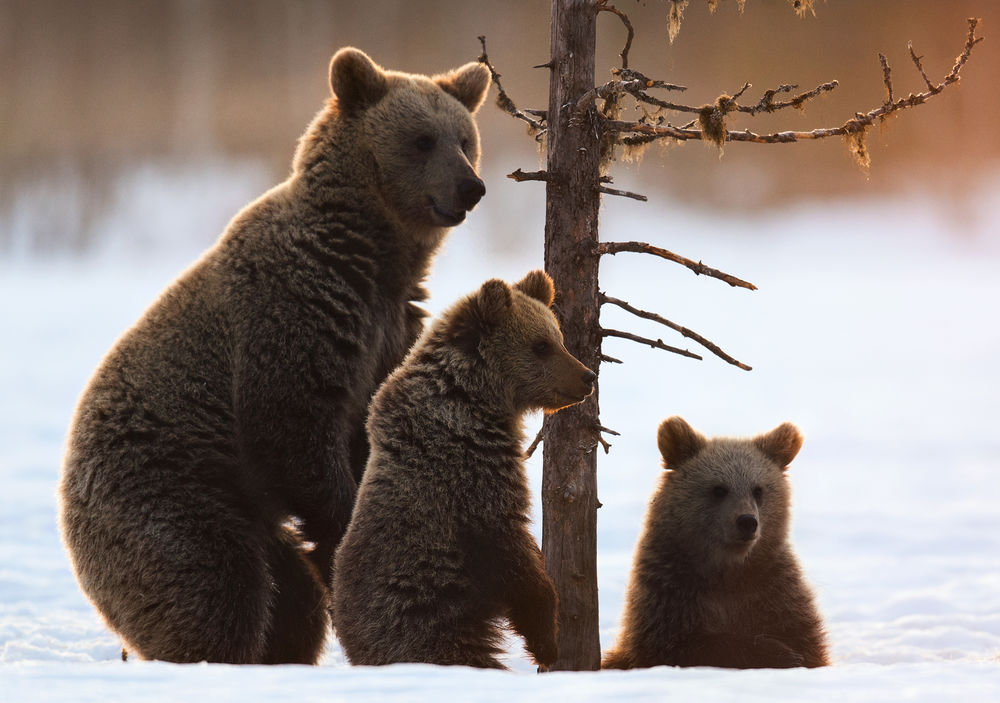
x=569, y=473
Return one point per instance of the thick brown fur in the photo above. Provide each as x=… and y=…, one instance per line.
x=439, y=552
x=236, y=405
x=715, y=581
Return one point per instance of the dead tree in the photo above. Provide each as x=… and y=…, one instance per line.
x=581, y=130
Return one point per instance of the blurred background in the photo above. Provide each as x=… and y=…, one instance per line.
x=134, y=122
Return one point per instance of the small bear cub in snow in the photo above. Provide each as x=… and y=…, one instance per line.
x=715, y=581
x=438, y=551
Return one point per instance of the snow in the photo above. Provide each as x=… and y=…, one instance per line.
x=879, y=340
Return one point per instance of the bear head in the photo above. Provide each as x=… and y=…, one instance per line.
x=418, y=133
x=726, y=496
x=509, y=339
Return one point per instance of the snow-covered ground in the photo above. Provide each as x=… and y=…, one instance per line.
x=875, y=329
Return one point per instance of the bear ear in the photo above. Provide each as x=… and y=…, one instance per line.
x=356, y=80
x=493, y=302
x=781, y=444
x=481, y=312
x=538, y=285
x=468, y=84
x=678, y=442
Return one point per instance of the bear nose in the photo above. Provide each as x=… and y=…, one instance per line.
x=470, y=190
x=747, y=525
x=588, y=376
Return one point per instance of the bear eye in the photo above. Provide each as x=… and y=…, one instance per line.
x=541, y=348
x=758, y=493
x=424, y=143
x=465, y=145
x=720, y=491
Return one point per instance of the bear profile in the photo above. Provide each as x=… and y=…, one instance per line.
x=214, y=456
x=715, y=581
x=438, y=551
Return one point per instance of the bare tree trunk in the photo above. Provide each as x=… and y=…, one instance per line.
x=569, y=474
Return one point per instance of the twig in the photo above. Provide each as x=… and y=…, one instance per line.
x=684, y=331
x=916, y=61
x=603, y=6
x=767, y=104
x=634, y=87
x=611, y=359
x=534, y=445
x=699, y=268
x=630, y=74
x=858, y=125
x=521, y=176
x=741, y=90
x=503, y=100
x=623, y=193
x=970, y=42
x=654, y=343
x=886, y=77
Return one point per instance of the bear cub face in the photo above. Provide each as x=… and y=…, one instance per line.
x=512, y=332
x=426, y=163
x=734, y=492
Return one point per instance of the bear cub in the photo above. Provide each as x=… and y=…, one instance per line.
x=715, y=581
x=236, y=406
x=438, y=551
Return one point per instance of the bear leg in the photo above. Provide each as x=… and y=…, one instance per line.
x=182, y=574
x=299, y=619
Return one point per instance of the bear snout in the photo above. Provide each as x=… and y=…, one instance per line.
x=747, y=527
x=470, y=192
x=587, y=378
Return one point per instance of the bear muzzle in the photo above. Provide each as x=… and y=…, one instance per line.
x=746, y=526
x=468, y=193
x=586, y=386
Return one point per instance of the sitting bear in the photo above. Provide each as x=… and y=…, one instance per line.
x=438, y=550
x=715, y=581
x=214, y=456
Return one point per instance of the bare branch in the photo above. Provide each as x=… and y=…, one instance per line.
x=633, y=86
x=767, y=104
x=503, y=100
x=603, y=6
x=742, y=90
x=916, y=61
x=521, y=176
x=886, y=77
x=853, y=129
x=654, y=343
x=630, y=74
x=534, y=445
x=699, y=268
x=610, y=359
x=682, y=330
x=604, y=443
x=623, y=193
x=970, y=42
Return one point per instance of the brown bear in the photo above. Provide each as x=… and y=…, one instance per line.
x=214, y=456
x=715, y=581
x=438, y=551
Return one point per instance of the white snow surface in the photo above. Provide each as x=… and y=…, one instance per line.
x=874, y=329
